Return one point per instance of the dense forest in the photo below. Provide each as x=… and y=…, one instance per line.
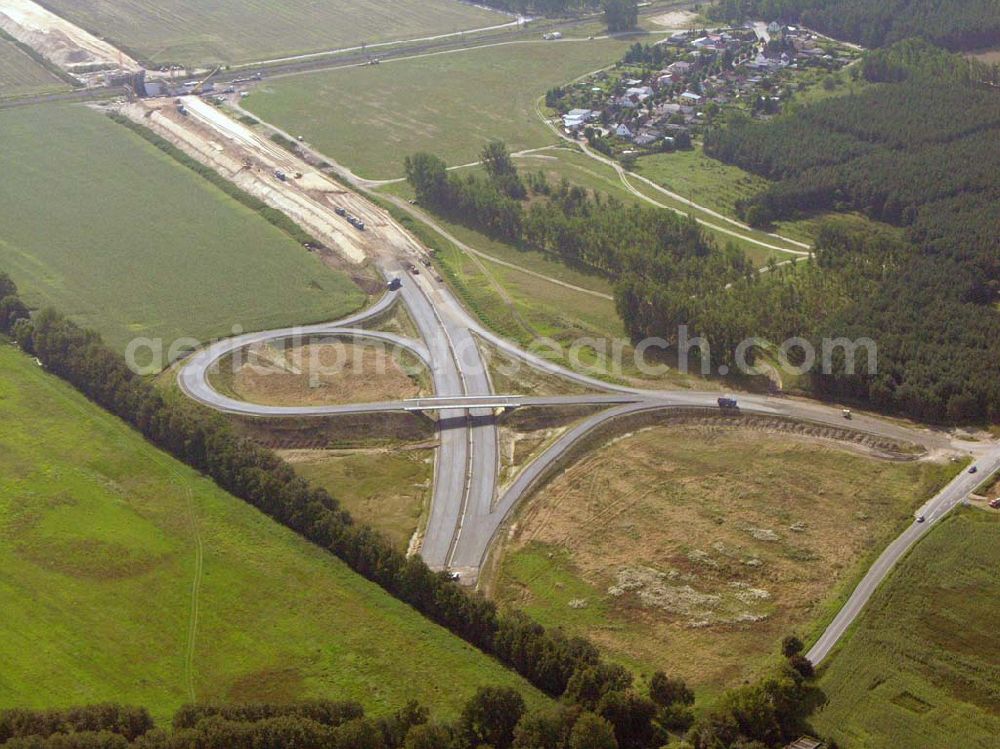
x=599, y=705
x=923, y=154
x=955, y=24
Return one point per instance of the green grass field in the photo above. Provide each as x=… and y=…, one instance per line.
x=236, y=31
x=371, y=118
x=125, y=576
x=719, y=186
x=705, y=181
x=696, y=549
x=921, y=668
x=22, y=76
x=108, y=229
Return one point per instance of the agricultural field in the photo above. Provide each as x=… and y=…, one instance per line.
x=190, y=32
x=370, y=118
x=922, y=665
x=108, y=229
x=128, y=577
x=321, y=373
x=389, y=488
x=22, y=76
x=696, y=548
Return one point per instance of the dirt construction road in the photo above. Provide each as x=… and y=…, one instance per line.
x=59, y=41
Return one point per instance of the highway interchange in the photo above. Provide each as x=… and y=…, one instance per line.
x=467, y=510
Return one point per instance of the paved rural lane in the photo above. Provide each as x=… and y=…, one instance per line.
x=932, y=512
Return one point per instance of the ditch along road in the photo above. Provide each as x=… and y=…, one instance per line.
x=467, y=511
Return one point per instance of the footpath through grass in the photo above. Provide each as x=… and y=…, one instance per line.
x=104, y=226
x=921, y=668
x=125, y=576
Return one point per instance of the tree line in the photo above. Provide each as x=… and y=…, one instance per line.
x=547, y=658
x=581, y=228
x=955, y=24
x=601, y=712
x=543, y=7
x=600, y=706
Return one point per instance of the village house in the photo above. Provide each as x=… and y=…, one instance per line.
x=623, y=131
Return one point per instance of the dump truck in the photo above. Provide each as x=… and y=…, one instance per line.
x=280, y=175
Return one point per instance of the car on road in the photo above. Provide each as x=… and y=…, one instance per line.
x=395, y=284
x=454, y=576
x=921, y=518
x=847, y=413
x=973, y=469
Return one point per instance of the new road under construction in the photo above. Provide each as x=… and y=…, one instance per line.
x=468, y=510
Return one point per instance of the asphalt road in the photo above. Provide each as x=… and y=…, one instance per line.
x=933, y=512
x=466, y=515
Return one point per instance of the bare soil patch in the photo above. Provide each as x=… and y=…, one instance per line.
x=66, y=45
x=696, y=548
x=678, y=19
x=321, y=373
x=991, y=56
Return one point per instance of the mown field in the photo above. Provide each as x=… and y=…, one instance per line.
x=696, y=549
x=371, y=118
x=108, y=229
x=22, y=76
x=921, y=668
x=125, y=576
x=234, y=31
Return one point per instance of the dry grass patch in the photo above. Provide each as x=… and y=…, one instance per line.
x=387, y=488
x=696, y=549
x=516, y=377
x=321, y=373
